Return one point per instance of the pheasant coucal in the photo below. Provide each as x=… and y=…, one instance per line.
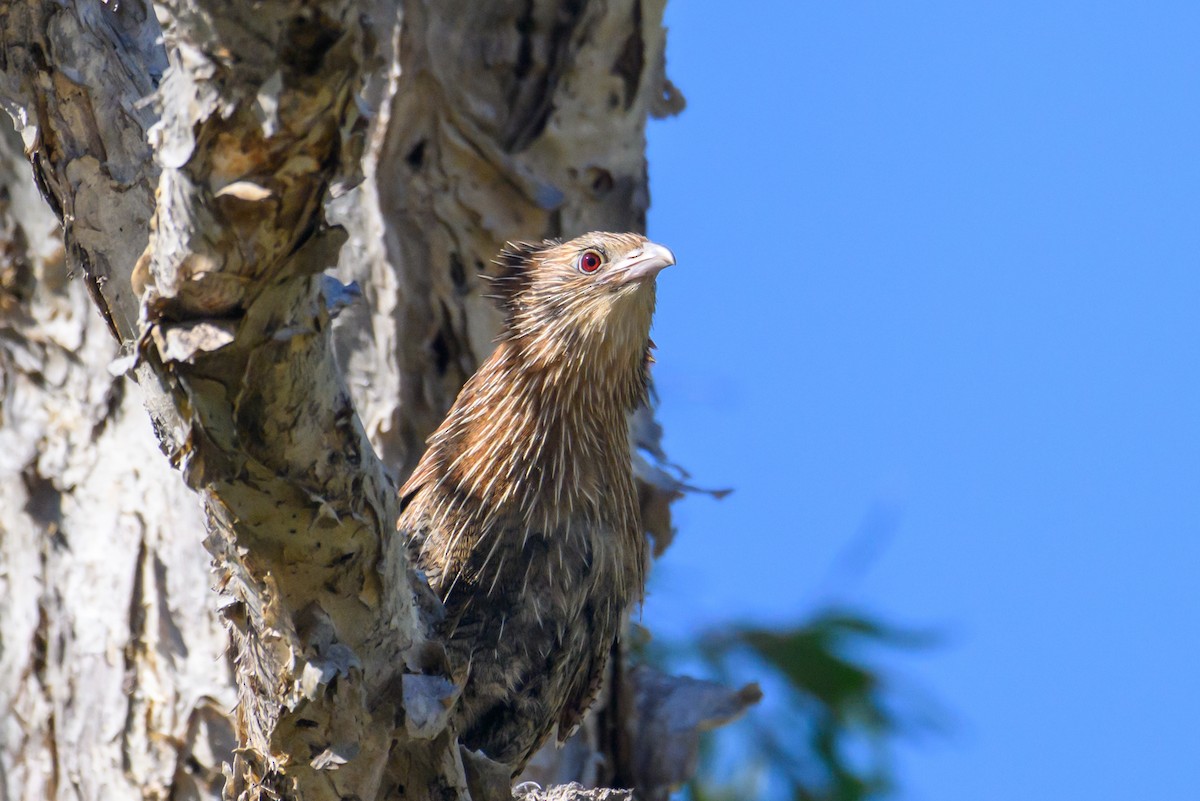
x=523, y=511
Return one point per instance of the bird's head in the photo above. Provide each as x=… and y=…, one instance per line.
x=592, y=295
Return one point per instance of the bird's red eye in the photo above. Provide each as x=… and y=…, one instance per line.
x=590, y=261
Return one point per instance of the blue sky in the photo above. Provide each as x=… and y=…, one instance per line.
x=939, y=278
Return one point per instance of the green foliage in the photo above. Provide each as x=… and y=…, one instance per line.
x=830, y=718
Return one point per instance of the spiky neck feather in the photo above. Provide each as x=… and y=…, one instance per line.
x=541, y=428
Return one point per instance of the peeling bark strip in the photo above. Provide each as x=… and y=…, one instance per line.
x=494, y=123
x=258, y=119
x=73, y=79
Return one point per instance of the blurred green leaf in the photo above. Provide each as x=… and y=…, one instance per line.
x=830, y=738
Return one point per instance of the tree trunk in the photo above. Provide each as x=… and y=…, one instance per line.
x=188, y=153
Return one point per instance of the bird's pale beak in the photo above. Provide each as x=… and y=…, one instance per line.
x=643, y=264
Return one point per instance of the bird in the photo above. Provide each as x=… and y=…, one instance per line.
x=523, y=511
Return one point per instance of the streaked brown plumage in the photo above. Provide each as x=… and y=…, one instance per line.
x=523, y=511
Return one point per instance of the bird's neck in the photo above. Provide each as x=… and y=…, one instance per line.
x=545, y=438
